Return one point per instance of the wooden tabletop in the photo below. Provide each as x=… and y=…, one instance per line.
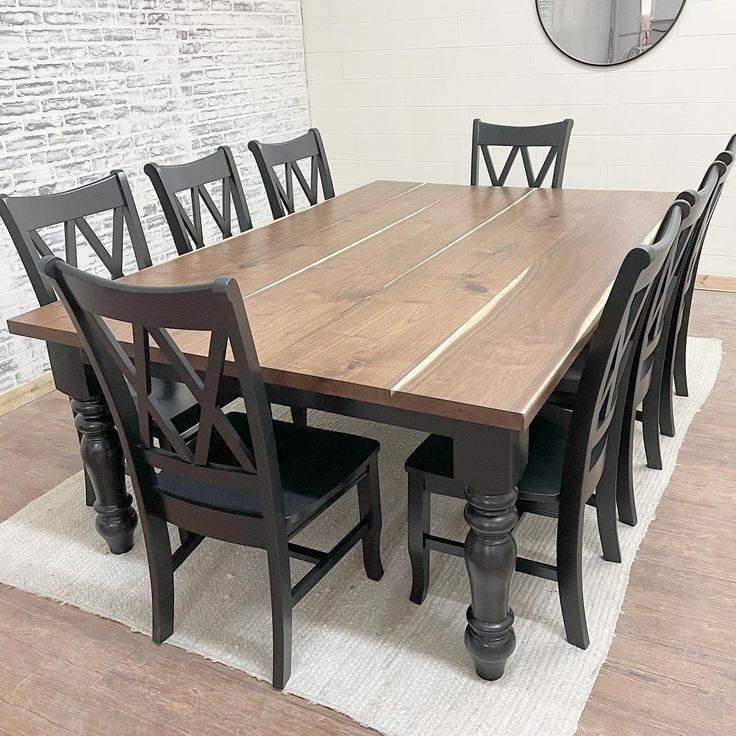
x=464, y=302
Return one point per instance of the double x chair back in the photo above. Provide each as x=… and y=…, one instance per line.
x=29, y=219
x=192, y=177
x=238, y=476
x=680, y=325
x=642, y=376
x=600, y=382
x=591, y=436
x=269, y=156
x=26, y=217
x=153, y=315
x=703, y=203
x=554, y=136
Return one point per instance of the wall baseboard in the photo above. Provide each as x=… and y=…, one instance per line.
x=715, y=283
x=26, y=392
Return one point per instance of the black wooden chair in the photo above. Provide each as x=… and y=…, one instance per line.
x=269, y=156
x=241, y=477
x=682, y=323
x=702, y=202
x=188, y=232
x=554, y=136
x=567, y=449
x=649, y=359
x=192, y=177
x=26, y=218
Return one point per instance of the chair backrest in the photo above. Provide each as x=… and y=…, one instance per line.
x=601, y=379
x=554, y=136
x=26, y=216
x=192, y=177
x=694, y=207
x=155, y=317
x=268, y=156
x=691, y=258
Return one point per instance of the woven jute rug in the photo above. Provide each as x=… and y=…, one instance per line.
x=361, y=647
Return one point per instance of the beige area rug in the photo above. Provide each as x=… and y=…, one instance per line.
x=361, y=647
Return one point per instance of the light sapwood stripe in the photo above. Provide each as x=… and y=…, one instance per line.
x=458, y=333
x=462, y=237
x=341, y=250
x=401, y=194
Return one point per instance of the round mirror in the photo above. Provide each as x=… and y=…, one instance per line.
x=607, y=32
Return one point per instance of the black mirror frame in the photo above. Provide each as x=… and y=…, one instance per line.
x=613, y=63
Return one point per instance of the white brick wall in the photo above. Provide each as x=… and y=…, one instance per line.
x=91, y=85
x=395, y=84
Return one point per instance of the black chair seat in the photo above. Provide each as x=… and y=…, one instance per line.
x=433, y=458
x=314, y=464
x=547, y=445
x=570, y=382
x=543, y=474
x=176, y=402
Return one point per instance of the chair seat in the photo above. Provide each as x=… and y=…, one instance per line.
x=176, y=402
x=570, y=382
x=316, y=466
x=543, y=475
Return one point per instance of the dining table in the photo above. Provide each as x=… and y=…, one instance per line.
x=443, y=308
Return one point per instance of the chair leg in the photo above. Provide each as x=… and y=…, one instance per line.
x=161, y=570
x=281, y=607
x=369, y=503
x=299, y=416
x=625, y=500
x=605, y=495
x=570, y=571
x=666, y=404
x=680, y=369
x=183, y=535
x=418, y=526
x=650, y=425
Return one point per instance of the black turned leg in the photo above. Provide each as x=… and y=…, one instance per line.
x=299, y=416
x=489, y=463
x=369, y=503
x=418, y=525
x=103, y=461
x=89, y=491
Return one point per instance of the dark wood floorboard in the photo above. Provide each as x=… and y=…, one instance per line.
x=671, y=670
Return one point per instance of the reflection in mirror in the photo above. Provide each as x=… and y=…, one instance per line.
x=605, y=32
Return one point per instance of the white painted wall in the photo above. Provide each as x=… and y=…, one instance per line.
x=395, y=84
x=89, y=86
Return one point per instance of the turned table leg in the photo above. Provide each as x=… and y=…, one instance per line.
x=102, y=456
x=490, y=462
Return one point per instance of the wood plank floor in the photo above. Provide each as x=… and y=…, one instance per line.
x=671, y=670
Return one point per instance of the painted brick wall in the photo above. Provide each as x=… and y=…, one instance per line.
x=395, y=84
x=91, y=85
